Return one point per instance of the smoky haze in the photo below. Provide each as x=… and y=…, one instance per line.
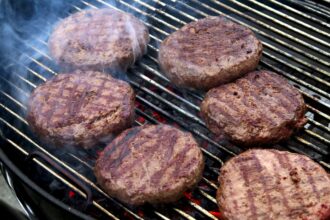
x=20, y=20
x=26, y=23
x=25, y=26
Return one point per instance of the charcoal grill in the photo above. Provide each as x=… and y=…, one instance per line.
x=296, y=39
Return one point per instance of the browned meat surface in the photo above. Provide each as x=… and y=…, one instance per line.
x=209, y=52
x=260, y=108
x=150, y=164
x=81, y=109
x=98, y=39
x=273, y=185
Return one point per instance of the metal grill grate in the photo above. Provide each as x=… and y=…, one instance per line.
x=295, y=36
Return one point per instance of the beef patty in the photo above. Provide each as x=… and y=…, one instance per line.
x=272, y=184
x=260, y=108
x=209, y=52
x=150, y=164
x=81, y=109
x=98, y=39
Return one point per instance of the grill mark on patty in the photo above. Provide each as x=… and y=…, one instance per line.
x=156, y=177
x=66, y=111
x=125, y=151
x=218, y=98
x=118, y=170
x=68, y=46
x=170, y=138
x=181, y=155
x=136, y=187
x=75, y=107
x=306, y=207
x=76, y=100
x=244, y=174
x=230, y=183
x=87, y=40
x=263, y=114
x=130, y=134
x=263, y=179
x=191, y=61
x=282, y=98
x=99, y=90
x=148, y=154
x=169, y=145
x=285, y=164
x=49, y=114
x=310, y=178
x=279, y=186
x=285, y=97
x=259, y=99
x=291, y=94
x=206, y=29
x=69, y=99
x=216, y=109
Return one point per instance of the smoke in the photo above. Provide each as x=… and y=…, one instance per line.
x=20, y=20
x=25, y=26
x=24, y=23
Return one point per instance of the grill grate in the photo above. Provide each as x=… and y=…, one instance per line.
x=296, y=40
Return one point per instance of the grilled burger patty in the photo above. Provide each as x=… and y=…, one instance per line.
x=209, y=52
x=98, y=39
x=271, y=184
x=260, y=108
x=81, y=108
x=152, y=163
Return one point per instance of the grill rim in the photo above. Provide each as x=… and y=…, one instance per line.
x=15, y=171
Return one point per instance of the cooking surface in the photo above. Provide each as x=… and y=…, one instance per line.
x=296, y=44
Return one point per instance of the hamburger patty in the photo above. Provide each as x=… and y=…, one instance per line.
x=98, y=39
x=81, y=108
x=152, y=163
x=260, y=108
x=209, y=52
x=272, y=185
